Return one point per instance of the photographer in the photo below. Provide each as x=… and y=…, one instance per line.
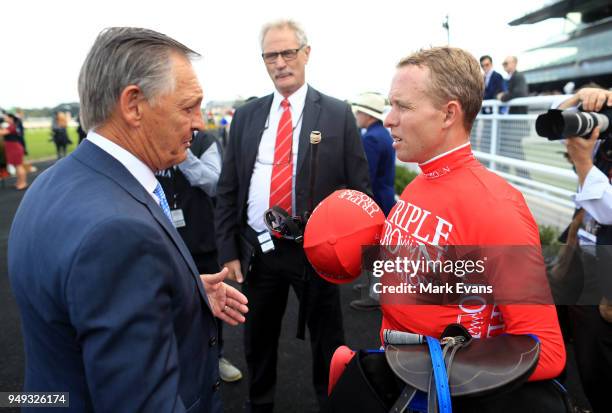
x=592, y=325
x=595, y=191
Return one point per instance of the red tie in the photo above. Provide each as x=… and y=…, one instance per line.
x=282, y=170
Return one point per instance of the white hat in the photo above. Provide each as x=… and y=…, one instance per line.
x=370, y=103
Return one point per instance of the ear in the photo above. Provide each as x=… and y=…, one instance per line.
x=307, y=52
x=131, y=103
x=453, y=114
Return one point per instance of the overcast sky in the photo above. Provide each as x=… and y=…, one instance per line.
x=355, y=44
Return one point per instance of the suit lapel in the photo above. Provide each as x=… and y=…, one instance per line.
x=254, y=131
x=95, y=158
x=312, y=108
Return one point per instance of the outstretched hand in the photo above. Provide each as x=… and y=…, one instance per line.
x=227, y=303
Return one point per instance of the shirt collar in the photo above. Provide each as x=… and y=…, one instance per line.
x=135, y=166
x=444, y=163
x=296, y=100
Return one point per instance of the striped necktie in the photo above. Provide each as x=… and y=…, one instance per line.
x=163, y=203
x=282, y=170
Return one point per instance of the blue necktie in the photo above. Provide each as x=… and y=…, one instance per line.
x=163, y=203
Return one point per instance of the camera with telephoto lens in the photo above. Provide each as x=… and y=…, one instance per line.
x=561, y=124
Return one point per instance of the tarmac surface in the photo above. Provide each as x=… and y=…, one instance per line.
x=294, y=392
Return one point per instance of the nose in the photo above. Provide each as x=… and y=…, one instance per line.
x=197, y=123
x=391, y=119
x=280, y=63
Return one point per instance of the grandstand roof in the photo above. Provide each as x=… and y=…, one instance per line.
x=583, y=54
x=591, y=9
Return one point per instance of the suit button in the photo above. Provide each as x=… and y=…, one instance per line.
x=216, y=386
x=212, y=341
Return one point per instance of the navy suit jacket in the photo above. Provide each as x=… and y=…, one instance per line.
x=341, y=162
x=378, y=146
x=112, y=307
x=495, y=86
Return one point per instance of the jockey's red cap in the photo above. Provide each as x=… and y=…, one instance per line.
x=338, y=227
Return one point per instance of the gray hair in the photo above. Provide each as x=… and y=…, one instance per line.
x=123, y=56
x=300, y=35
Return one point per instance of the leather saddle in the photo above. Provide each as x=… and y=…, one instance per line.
x=458, y=365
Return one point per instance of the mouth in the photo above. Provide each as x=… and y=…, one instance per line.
x=283, y=75
x=396, y=138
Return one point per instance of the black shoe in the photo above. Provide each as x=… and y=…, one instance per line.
x=365, y=304
x=360, y=286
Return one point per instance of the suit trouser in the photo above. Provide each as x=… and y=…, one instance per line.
x=267, y=288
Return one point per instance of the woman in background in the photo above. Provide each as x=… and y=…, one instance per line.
x=14, y=150
x=60, y=134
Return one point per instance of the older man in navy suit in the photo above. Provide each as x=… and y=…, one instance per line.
x=113, y=309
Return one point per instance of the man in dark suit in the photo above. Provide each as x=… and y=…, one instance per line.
x=494, y=82
x=266, y=165
x=511, y=145
x=113, y=308
x=517, y=85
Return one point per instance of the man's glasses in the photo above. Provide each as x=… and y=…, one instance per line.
x=289, y=54
x=505, y=63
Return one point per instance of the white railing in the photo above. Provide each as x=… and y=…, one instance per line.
x=509, y=145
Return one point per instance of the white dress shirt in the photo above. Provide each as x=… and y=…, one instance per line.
x=488, y=77
x=259, y=189
x=135, y=166
x=595, y=196
x=203, y=172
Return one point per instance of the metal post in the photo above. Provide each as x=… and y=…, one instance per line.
x=493, y=148
x=446, y=26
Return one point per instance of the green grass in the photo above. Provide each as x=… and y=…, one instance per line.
x=40, y=145
x=403, y=176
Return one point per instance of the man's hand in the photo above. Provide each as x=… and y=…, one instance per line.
x=605, y=309
x=592, y=99
x=235, y=273
x=227, y=303
x=580, y=152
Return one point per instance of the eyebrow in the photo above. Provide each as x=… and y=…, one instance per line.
x=400, y=101
x=191, y=100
